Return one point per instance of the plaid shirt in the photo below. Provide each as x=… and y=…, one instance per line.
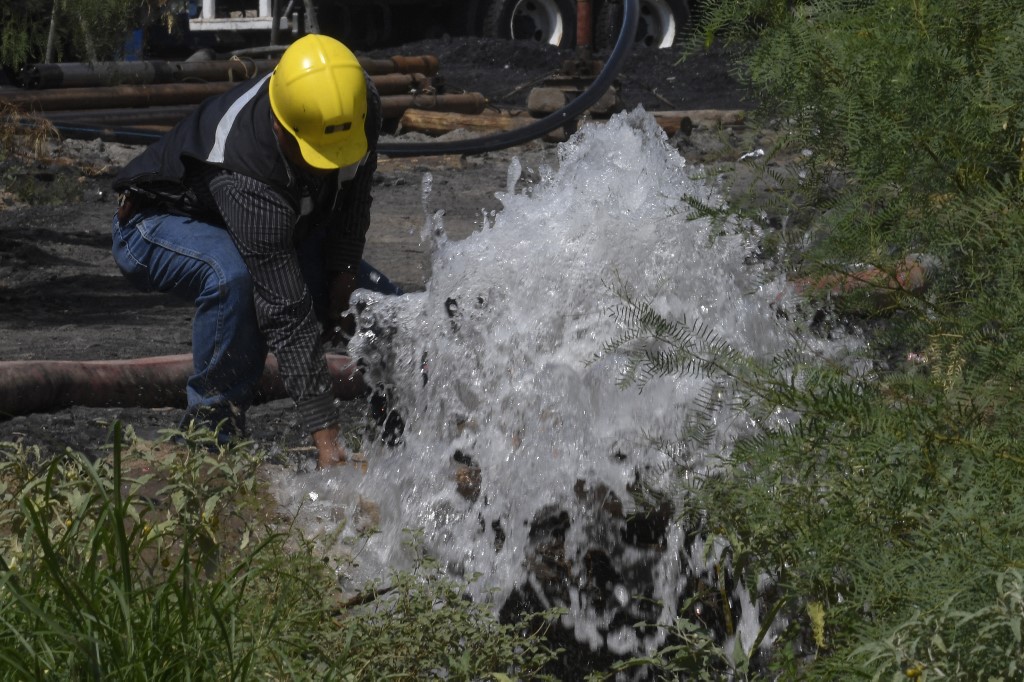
x=265, y=225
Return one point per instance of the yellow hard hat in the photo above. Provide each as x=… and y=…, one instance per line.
x=318, y=93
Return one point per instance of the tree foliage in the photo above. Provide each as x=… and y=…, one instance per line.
x=914, y=112
x=82, y=30
x=891, y=505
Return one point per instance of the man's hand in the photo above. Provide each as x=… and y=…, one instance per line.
x=328, y=450
x=330, y=453
x=340, y=327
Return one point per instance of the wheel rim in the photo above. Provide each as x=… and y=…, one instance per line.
x=537, y=20
x=657, y=26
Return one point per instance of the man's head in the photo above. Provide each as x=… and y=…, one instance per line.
x=318, y=94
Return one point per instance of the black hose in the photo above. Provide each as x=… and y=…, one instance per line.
x=76, y=131
x=557, y=119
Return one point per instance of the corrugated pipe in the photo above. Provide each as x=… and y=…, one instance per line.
x=30, y=386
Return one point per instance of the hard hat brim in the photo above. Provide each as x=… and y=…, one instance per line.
x=332, y=158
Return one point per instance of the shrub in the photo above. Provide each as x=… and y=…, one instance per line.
x=173, y=572
x=890, y=505
x=82, y=30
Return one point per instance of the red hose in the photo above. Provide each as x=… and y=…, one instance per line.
x=29, y=386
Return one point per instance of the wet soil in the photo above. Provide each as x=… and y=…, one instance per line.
x=63, y=298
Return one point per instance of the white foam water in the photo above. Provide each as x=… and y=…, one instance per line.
x=499, y=363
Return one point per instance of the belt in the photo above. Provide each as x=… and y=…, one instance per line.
x=130, y=204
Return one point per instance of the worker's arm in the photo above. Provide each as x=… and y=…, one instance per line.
x=348, y=224
x=261, y=222
x=346, y=239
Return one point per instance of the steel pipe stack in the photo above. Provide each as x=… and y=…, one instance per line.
x=87, y=75
x=90, y=100
x=165, y=94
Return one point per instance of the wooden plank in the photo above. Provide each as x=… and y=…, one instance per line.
x=673, y=121
x=441, y=122
x=486, y=123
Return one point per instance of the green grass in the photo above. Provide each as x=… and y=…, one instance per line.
x=155, y=563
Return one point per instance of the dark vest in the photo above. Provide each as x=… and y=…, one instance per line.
x=232, y=131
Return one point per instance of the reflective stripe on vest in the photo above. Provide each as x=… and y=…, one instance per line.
x=227, y=122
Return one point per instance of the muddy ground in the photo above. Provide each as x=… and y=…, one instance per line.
x=62, y=298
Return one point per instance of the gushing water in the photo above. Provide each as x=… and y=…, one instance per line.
x=520, y=453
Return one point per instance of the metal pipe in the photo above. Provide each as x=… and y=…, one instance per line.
x=584, y=29
x=119, y=96
x=133, y=116
x=427, y=64
x=389, y=85
x=275, y=18
x=116, y=96
x=393, y=106
x=312, y=23
x=48, y=385
x=401, y=83
x=86, y=75
x=155, y=71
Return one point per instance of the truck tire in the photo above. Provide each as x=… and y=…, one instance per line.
x=661, y=23
x=544, y=21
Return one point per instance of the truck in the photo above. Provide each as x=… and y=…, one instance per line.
x=373, y=24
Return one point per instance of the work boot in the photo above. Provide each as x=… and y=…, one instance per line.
x=225, y=421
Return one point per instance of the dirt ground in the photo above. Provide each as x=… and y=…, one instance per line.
x=63, y=298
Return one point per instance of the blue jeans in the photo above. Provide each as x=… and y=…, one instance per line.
x=199, y=262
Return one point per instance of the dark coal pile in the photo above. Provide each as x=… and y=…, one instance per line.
x=505, y=70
